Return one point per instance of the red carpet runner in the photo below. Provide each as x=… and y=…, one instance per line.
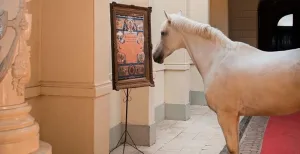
x=282, y=135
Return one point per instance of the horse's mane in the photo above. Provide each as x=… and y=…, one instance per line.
x=204, y=30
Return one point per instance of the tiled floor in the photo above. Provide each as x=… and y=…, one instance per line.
x=199, y=135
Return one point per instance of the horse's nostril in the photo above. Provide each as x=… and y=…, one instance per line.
x=158, y=59
x=155, y=59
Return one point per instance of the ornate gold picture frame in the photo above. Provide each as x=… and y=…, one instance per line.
x=131, y=46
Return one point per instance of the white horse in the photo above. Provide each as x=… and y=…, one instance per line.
x=239, y=80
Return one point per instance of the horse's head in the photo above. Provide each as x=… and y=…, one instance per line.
x=170, y=40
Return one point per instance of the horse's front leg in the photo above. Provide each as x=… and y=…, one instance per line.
x=229, y=124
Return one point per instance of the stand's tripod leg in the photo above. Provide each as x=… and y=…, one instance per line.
x=135, y=147
x=124, y=147
x=126, y=129
x=118, y=143
x=126, y=120
x=121, y=138
x=132, y=141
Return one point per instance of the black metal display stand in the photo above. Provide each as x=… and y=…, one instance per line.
x=125, y=133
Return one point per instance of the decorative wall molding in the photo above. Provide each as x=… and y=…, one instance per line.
x=74, y=89
x=103, y=89
x=31, y=92
x=76, y=85
x=156, y=71
x=69, y=89
x=159, y=69
x=177, y=67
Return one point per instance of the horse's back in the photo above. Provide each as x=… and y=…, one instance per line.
x=248, y=58
x=259, y=83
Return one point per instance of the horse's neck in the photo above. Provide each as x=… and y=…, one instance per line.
x=203, y=52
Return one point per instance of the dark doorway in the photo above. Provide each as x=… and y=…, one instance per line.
x=274, y=37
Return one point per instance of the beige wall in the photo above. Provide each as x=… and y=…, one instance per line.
x=115, y=108
x=66, y=123
x=198, y=10
x=158, y=94
x=115, y=102
x=73, y=74
x=102, y=85
x=101, y=125
x=67, y=39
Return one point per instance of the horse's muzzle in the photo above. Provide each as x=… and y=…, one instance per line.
x=158, y=57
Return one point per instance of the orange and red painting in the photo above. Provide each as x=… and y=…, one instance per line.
x=130, y=46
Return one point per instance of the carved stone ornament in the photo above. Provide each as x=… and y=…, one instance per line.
x=3, y=23
x=18, y=57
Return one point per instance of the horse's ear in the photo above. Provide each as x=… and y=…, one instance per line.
x=166, y=14
x=180, y=13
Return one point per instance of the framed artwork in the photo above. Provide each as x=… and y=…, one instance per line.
x=131, y=46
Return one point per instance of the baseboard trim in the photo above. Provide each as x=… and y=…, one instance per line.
x=198, y=98
x=160, y=113
x=177, y=111
x=115, y=134
x=142, y=135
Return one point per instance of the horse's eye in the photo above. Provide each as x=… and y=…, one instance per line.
x=163, y=33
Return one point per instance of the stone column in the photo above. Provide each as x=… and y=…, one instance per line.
x=19, y=133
